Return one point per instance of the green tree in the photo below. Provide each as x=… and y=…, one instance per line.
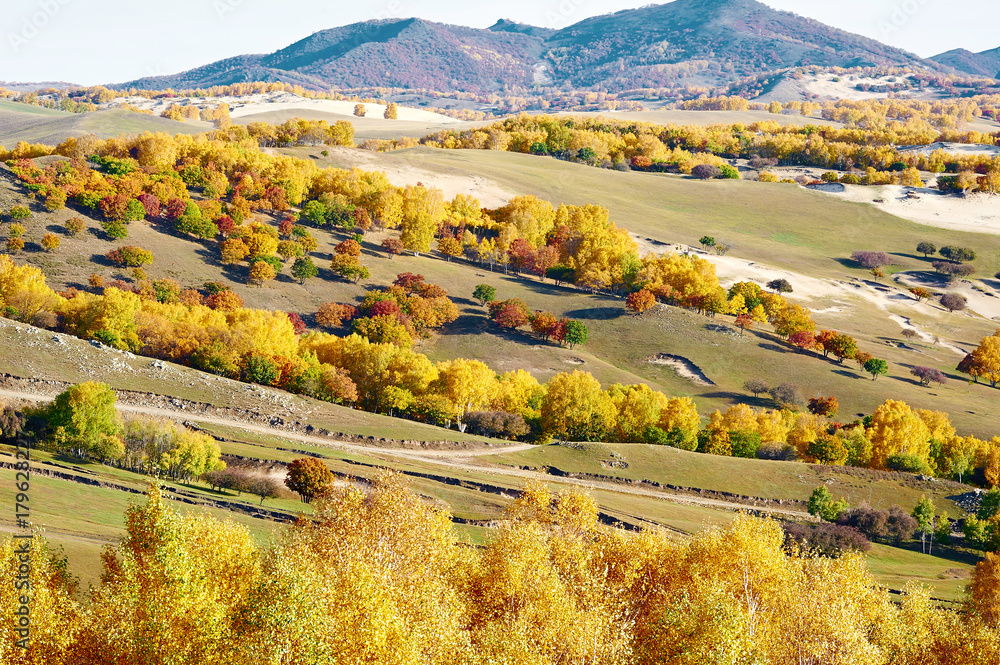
x=304, y=269
x=309, y=477
x=485, y=294
x=707, y=242
x=926, y=248
x=576, y=333
x=822, y=505
x=876, y=367
x=83, y=419
x=924, y=514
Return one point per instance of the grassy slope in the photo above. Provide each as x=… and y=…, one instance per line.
x=56, y=126
x=776, y=224
x=372, y=127
x=726, y=358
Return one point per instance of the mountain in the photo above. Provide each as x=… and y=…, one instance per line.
x=506, y=25
x=986, y=63
x=709, y=40
x=685, y=42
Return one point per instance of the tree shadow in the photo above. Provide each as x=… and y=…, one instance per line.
x=847, y=373
x=596, y=313
x=774, y=347
x=740, y=398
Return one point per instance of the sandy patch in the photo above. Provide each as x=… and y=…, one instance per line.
x=975, y=213
x=489, y=193
x=985, y=302
x=684, y=368
x=262, y=103
x=905, y=323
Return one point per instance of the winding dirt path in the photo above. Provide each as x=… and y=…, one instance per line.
x=448, y=459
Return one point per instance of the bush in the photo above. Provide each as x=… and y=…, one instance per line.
x=497, y=424
x=829, y=540
x=927, y=375
x=781, y=452
x=907, y=464
x=130, y=256
x=780, y=286
x=50, y=242
x=728, y=172
x=333, y=315
x=787, y=394
x=706, y=171
x=957, y=254
x=75, y=226
x=870, y=260
x=953, y=302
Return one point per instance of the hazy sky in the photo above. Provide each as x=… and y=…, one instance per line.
x=107, y=41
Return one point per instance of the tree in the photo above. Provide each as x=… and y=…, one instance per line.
x=391, y=111
x=450, y=247
x=265, y=488
x=822, y=505
x=984, y=361
x=485, y=294
x=954, y=302
x=333, y=315
x=743, y=322
x=349, y=267
x=576, y=333
x=984, y=591
x=780, y=286
x=261, y=272
x=921, y=293
x=360, y=110
x=83, y=419
x=50, y=242
x=926, y=248
x=640, y=301
x=786, y=394
x=924, y=514
x=304, y=269
x=824, y=406
x=958, y=254
x=927, y=375
x=802, y=339
x=309, y=477
x=510, y=314
x=575, y=406
x=707, y=242
x=392, y=247
x=756, y=386
x=876, y=367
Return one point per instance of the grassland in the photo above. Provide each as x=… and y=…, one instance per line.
x=34, y=124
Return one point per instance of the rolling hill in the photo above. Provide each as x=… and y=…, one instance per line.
x=685, y=42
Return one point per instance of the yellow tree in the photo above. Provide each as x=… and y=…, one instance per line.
x=468, y=384
x=574, y=406
x=179, y=580
x=896, y=430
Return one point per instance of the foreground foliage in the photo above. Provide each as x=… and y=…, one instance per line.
x=380, y=577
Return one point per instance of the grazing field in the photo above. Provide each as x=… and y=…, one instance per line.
x=33, y=124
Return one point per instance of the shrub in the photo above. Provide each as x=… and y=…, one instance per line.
x=15, y=245
x=869, y=260
x=75, y=226
x=780, y=286
x=822, y=505
x=130, y=256
x=706, y=171
x=954, y=302
x=728, y=172
x=907, y=464
x=928, y=375
x=829, y=540
x=485, y=294
x=16, y=230
x=20, y=212
x=781, y=452
x=497, y=424
x=50, y=242
x=824, y=406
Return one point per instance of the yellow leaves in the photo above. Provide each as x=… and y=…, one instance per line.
x=23, y=288
x=638, y=407
x=468, y=384
x=532, y=217
x=984, y=591
x=518, y=391
x=894, y=430
x=54, y=615
x=574, y=406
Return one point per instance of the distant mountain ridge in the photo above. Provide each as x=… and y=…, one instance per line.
x=685, y=42
x=986, y=63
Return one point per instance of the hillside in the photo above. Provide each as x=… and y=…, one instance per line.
x=986, y=63
x=32, y=124
x=685, y=42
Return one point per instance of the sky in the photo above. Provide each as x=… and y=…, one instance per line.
x=107, y=41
